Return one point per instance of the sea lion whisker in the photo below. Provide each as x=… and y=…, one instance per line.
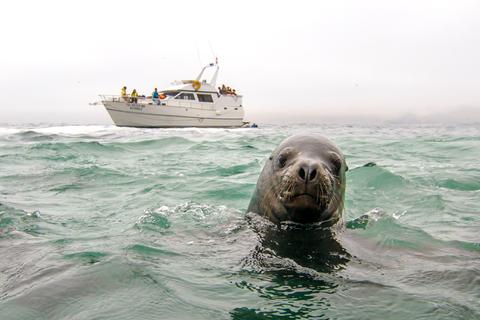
x=290, y=189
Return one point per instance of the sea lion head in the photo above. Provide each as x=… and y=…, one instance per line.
x=302, y=181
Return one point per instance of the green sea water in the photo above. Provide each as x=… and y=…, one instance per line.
x=100, y=222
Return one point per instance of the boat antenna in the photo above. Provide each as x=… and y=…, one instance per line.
x=198, y=54
x=213, y=52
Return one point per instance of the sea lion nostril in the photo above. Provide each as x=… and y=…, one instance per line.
x=301, y=173
x=313, y=174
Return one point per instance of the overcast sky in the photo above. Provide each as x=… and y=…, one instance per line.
x=297, y=60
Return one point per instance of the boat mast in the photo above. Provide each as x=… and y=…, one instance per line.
x=213, y=81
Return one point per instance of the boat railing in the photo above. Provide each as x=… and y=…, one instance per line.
x=105, y=97
x=119, y=98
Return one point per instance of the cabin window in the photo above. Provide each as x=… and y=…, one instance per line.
x=186, y=96
x=205, y=98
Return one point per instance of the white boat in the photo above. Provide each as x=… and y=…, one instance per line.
x=187, y=103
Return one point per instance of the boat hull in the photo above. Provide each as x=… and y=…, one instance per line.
x=155, y=116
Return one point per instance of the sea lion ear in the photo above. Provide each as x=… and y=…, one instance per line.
x=346, y=167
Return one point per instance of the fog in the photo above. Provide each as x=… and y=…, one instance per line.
x=293, y=61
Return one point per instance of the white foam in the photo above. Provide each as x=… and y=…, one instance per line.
x=75, y=130
x=102, y=130
x=66, y=130
x=7, y=131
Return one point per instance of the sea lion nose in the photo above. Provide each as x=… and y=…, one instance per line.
x=307, y=172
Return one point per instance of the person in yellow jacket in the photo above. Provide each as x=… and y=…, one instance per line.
x=124, y=93
x=134, y=96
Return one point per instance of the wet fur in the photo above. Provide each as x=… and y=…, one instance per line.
x=276, y=187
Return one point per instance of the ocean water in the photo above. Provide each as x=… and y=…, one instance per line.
x=100, y=222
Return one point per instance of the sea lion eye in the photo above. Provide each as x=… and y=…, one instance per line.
x=336, y=163
x=282, y=160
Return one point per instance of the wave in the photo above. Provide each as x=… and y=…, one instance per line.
x=158, y=142
x=231, y=170
x=86, y=257
x=79, y=146
x=460, y=184
x=15, y=222
x=93, y=171
x=150, y=250
x=153, y=221
x=44, y=143
x=56, y=132
x=98, y=131
x=163, y=218
x=389, y=230
x=31, y=135
x=375, y=177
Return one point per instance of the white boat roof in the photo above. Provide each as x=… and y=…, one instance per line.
x=205, y=87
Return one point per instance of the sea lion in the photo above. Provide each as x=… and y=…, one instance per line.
x=303, y=181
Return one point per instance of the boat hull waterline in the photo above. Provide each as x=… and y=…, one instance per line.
x=154, y=116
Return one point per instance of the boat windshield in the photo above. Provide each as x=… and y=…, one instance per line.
x=171, y=93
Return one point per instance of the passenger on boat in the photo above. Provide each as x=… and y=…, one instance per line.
x=224, y=89
x=134, y=96
x=233, y=92
x=124, y=93
x=155, y=97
